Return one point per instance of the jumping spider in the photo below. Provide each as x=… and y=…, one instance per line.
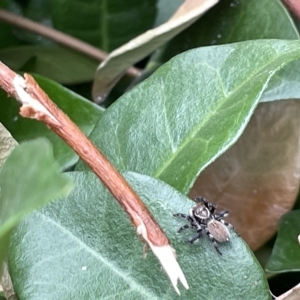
x=203, y=218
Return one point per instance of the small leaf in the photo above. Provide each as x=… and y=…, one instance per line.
x=286, y=252
x=7, y=144
x=114, y=66
x=257, y=180
x=83, y=112
x=6, y=284
x=191, y=110
x=100, y=247
x=29, y=178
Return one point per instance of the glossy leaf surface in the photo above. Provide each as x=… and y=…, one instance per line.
x=85, y=245
x=29, y=178
x=84, y=113
x=286, y=252
x=242, y=20
x=257, y=180
x=190, y=110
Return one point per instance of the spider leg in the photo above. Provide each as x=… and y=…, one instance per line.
x=183, y=216
x=214, y=242
x=185, y=227
x=193, y=222
x=201, y=199
x=222, y=214
x=225, y=223
x=212, y=208
x=198, y=236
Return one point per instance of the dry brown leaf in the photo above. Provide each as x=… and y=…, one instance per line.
x=294, y=6
x=257, y=180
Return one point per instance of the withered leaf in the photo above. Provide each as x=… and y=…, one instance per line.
x=257, y=180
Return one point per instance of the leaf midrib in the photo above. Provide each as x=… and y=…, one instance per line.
x=193, y=133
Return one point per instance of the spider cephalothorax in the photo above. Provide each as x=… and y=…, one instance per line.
x=203, y=218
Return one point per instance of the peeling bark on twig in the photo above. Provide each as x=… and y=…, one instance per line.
x=37, y=105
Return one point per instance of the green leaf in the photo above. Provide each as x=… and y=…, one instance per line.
x=86, y=245
x=236, y=21
x=60, y=64
x=191, y=110
x=242, y=20
x=83, y=112
x=286, y=251
x=7, y=144
x=29, y=178
x=105, y=24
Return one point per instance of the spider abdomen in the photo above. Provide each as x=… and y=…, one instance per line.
x=219, y=231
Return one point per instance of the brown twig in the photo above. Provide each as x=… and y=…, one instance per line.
x=293, y=6
x=60, y=38
x=37, y=105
